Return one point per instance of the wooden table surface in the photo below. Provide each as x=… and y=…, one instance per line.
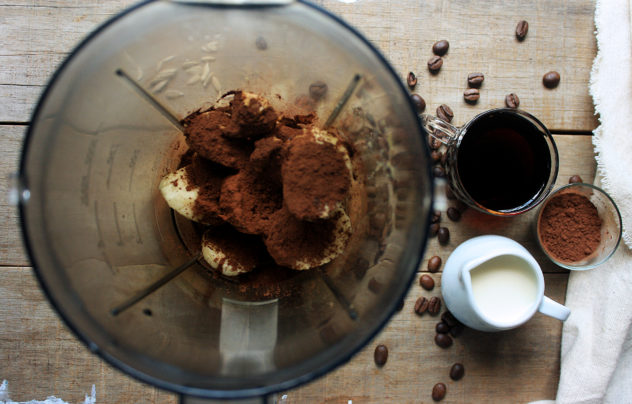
x=40, y=357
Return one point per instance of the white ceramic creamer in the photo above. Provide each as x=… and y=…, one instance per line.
x=492, y=283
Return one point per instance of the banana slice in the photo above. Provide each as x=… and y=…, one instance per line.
x=230, y=252
x=181, y=195
x=302, y=245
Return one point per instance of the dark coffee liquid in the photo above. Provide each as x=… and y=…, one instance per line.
x=503, y=161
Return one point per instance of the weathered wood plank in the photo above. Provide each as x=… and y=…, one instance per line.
x=518, y=366
x=36, y=39
x=40, y=357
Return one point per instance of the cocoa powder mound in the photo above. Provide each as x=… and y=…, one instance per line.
x=315, y=177
x=240, y=250
x=205, y=134
x=208, y=177
x=248, y=200
x=290, y=240
x=570, y=227
x=254, y=117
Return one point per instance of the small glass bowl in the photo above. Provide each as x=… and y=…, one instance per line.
x=610, y=226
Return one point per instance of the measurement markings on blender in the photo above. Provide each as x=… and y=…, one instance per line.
x=139, y=239
x=85, y=180
x=100, y=244
x=118, y=228
x=132, y=166
x=150, y=99
x=110, y=163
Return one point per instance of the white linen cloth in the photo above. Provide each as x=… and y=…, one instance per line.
x=596, y=359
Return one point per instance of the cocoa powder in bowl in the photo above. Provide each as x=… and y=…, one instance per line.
x=569, y=227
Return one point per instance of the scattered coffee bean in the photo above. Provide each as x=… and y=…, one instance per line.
x=456, y=330
x=574, y=179
x=443, y=234
x=434, y=143
x=436, y=216
x=551, y=79
x=471, y=95
x=521, y=30
x=434, y=229
x=442, y=328
x=449, y=319
x=454, y=214
x=512, y=100
x=421, y=305
x=374, y=285
x=318, y=89
x=445, y=112
x=411, y=80
x=438, y=391
x=380, y=355
x=435, y=156
x=441, y=47
x=434, y=263
x=457, y=371
x=475, y=80
x=434, y=64
x=261, y=43
x=419, y=102
x=434, y=305
x=438, y=172
x=426, y=282
x=443, y=340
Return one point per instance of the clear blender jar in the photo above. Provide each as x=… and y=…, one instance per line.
x=98, y=231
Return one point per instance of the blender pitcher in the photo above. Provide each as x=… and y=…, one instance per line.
x=98, y=232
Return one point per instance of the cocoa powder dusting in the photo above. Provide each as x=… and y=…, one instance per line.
x=570, y=227
x=315, y=177
x=208, y=177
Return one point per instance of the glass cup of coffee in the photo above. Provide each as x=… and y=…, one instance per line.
x=502, y=162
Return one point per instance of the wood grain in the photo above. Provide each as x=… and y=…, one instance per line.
x=519, y=365
x=481, y=34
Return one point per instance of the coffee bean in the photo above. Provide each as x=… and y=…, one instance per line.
x=442, y=328
x=438, y=172
x=426, y=282
x=421, y=305
x=475, y=80
x=434, y=263
x=435, y=156
x=512, y=100
x=574, y=179
x=318, y=89
x=380, y=355
x=449, y=319
x=551, y=79
x=434, y=229
x=261, y=43
x=454, y=214
x=443, y=235
x=456, y=330
x=471, y=95
x=445, y=112
x=434, y=143
x=434, y=305
x=436, y=216
x=443, y=340
x=438, y=391
x=521, y=30
x=457, y=371
x=419, y=102
x=441, y=47
x=411, y=80
x=434, y=64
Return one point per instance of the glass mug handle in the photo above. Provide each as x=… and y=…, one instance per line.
x=439, y=129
